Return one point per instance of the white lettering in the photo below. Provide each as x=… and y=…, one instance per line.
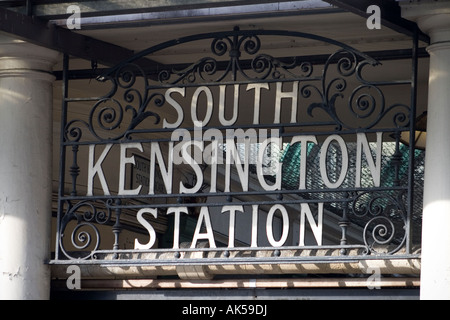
x=260, y=162
x=233, y=156
x=255, y=213
x=315, y=227
x=123, y=162
x=176, y=106
x=231, y=231
x=166, y=172
x=323, y=161
x=222, y=119
x=303, y=153
x=208, y=235
x=286, y=95
x=176, y=233
x=96, y=169
x=194, y=165
x=209, y=107
x=269, y=226
x=375, y=168
x=257, y=106
x=211, y=154
x=149, y=227
x=193, y=310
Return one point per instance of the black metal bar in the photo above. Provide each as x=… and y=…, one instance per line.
x=344, y=223
x=412, y=143
x=241, y=194
x=281, y=134
x=74, y=169
x=385, y=55
x=29, y=7
x=117, y=228
x=62, y=151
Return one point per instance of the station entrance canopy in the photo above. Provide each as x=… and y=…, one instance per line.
x=239, y=157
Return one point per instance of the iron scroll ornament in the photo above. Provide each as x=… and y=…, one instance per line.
x=366, y=102
x=84, y=236
x=385, y=220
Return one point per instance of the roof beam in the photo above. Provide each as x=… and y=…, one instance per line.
x=40, y=32
x=54, y=9
x=153, y=73
x=391, y=15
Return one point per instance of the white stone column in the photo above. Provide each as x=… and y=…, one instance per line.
x=433, y=17
x=26, y=100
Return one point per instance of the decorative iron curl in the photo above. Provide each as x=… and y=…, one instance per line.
x=381, y=228
x=266, y=66
x=107, y=118
x=263, y=66
x=363, y=104
x=380, y=232
x=107, y=114
x=220, y=46
x=251, y=44
x=84, y=238
x=385, y=226
x=361, y=207
x=85, y=233
x=141, y=114
x=366, y=102
x=202, y=68
x=347, y=65
x=126, y=78
x=74, y=133
x=401, y=118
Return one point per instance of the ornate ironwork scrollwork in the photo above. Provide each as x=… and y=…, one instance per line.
x=108, y=120
x=85, y=236
x=340, y=90
x=365, y=102
x=383, y=218
x=262, y=67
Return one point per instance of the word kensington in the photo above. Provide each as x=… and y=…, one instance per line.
x=207, y=148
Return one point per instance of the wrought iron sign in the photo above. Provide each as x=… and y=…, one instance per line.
x=256, y=153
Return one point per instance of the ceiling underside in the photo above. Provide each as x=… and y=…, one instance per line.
x=136, y=32
x=122, y=28
x=137, y=25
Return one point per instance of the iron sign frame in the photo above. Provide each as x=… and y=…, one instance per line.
x=92, y=210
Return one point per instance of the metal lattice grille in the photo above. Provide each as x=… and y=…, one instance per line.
x=356, y=168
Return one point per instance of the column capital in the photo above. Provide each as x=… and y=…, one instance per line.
x=432, y=17
x=22, y=59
